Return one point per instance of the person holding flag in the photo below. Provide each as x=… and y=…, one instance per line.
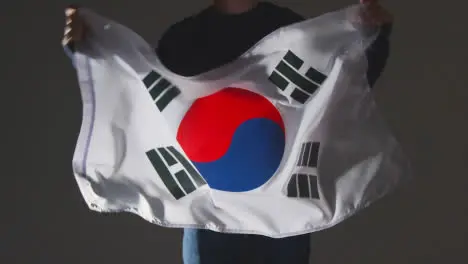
x=216, y=36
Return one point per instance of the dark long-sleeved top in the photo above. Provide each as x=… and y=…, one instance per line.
x=211, y=39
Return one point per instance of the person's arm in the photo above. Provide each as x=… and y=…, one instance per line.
x=378, y=53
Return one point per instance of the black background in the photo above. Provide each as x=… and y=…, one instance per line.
x=423, y=94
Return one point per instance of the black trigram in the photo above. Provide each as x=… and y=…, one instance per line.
x=161, y=90
x=287, y=72
x=303, y=186
x=181, y=183
x=309, y=155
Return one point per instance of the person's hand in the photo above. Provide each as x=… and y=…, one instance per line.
x=75, y=28
x=374, y=14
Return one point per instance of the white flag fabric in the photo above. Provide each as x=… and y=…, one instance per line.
x=285, y=140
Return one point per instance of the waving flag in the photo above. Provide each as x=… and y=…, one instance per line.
x=283, y=141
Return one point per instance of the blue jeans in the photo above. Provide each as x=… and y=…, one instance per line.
x=208, y=247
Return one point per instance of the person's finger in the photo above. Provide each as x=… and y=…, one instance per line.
x=70, y=17
x=68, y=31
x=66, y=40
x=70, y=11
